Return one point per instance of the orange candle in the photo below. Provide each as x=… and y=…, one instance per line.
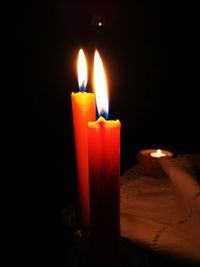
x=83, y=110
x=104, y=173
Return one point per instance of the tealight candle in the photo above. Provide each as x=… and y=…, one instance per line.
x=158, y=154
x=150, y=157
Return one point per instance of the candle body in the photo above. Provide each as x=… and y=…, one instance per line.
x=83, y=111
x=104, y=173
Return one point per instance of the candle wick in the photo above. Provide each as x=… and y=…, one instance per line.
x=104, y=114
x=82, y=87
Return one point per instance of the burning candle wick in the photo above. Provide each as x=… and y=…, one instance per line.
x=158, y=154
x=82, y=87
x=104, y=114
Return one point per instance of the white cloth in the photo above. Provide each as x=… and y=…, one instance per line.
x=160, y=209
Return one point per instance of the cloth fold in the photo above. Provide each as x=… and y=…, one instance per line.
x=160, y=209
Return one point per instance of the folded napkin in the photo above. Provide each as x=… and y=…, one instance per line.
x=160, y=209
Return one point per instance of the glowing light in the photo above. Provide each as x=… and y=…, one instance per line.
x=100, y=85
x=82, y=71
x=158, y=154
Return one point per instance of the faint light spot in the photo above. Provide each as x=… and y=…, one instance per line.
x=100, y=24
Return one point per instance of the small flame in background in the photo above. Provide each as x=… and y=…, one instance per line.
x=100, y=85
x=159, y=152
x=82, y=71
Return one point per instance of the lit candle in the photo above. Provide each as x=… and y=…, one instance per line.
x=150, y=157
x=83, y=110
x=104, y=173
x=158, y=154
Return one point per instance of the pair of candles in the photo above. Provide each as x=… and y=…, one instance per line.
x=97, y=145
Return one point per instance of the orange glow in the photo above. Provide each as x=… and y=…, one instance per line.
x=82, y=71
x=158, y=153
x=100, y=85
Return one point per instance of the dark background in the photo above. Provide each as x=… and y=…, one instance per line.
x=150, y=49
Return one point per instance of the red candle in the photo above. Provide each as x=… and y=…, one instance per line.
x=83, y=110
x=104, y=173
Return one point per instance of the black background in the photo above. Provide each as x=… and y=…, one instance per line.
x=150, y=49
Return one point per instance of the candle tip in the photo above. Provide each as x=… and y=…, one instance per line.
x=103, y=114
x=82, y=87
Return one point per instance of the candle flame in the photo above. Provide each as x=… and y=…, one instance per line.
x=82, y=71
x=100, y=85
x=159, y=152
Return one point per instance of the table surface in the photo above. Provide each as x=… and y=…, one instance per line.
x=152, y=258
x=151, y=201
